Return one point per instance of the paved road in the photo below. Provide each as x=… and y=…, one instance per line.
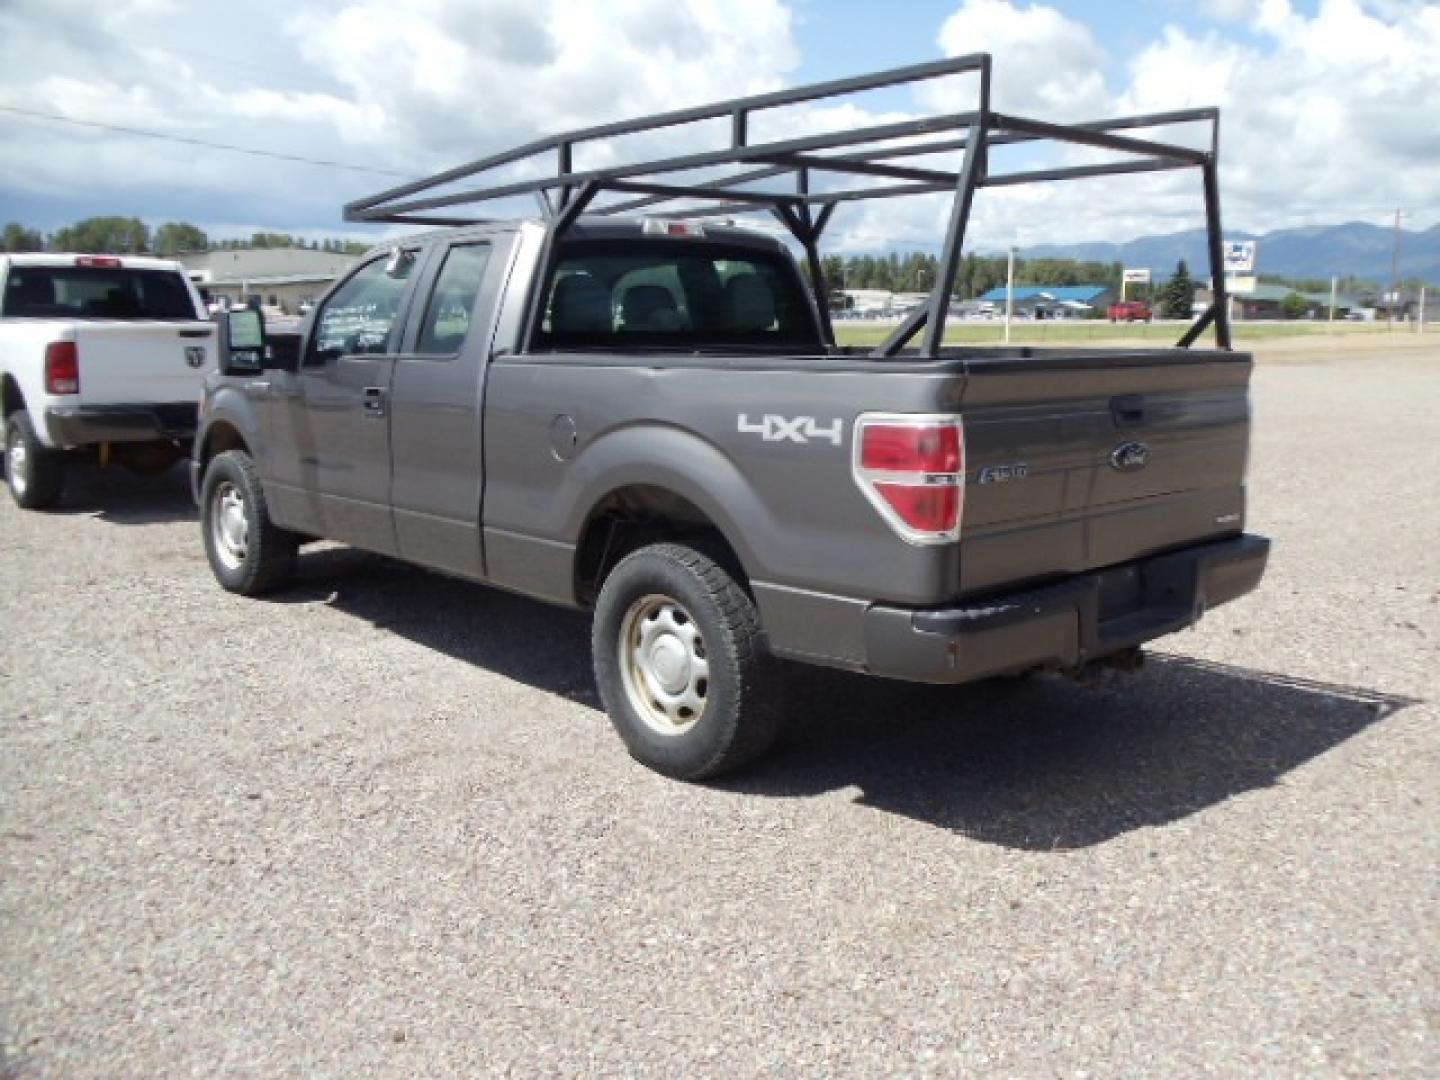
x=379, y=825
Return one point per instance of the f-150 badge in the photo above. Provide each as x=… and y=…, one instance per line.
x=796, y=429
x=998, y=474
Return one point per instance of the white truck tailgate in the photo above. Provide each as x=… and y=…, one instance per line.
x=142, y=361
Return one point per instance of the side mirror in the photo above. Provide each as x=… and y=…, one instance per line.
x=399, y=263
x=242, y=341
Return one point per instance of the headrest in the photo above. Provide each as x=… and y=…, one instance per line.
x=580, y=305
x=749, y=303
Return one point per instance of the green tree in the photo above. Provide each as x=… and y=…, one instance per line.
x=271, y=240
x=1178, y=295
x=1294, y=306
x=18, y=238
x=122, y=235
x=175, y=237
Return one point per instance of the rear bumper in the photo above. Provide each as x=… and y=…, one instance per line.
x=86, y=425
x=1065, y=624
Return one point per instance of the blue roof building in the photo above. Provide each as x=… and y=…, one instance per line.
x=1093, y=295
x=1054, y=301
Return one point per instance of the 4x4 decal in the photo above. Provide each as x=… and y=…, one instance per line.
x=796, y=429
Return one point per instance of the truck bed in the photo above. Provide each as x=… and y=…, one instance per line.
x=1043, y=496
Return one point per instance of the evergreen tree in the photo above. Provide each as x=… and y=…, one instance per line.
x=1178, y=295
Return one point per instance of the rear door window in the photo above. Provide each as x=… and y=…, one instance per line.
x=674, y=294
x=452, y=303
x=94, y=292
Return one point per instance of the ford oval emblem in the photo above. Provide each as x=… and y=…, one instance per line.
x=1130, y=457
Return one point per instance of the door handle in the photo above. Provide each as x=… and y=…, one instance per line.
x=374, y=401
x=1127, y=409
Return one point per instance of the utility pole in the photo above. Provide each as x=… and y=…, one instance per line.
x=1420, y=323
x=1395, y=269
x=1009, y=291
x=1334, y=283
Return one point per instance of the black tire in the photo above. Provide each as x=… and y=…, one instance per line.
x=740, y=715
x=264, y=556
x=35, y=473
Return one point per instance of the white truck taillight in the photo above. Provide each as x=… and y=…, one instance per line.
x=62, y=368
x=912, y=469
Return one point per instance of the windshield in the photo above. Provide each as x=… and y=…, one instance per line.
x=92, y=292
x=674, y=294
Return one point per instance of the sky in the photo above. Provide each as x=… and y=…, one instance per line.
x=1330, y=108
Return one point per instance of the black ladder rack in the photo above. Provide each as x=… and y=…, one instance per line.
x=567, y=192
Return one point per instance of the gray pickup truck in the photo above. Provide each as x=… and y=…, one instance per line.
x=647, y=416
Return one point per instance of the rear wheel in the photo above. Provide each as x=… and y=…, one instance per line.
x=681, y=664
x=35, y=473
x=248, y=553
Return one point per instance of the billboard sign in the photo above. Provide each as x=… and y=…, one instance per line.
x=1239, y=256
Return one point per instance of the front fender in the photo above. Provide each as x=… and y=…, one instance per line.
x=228, y=407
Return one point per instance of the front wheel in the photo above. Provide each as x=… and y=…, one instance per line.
x=681, y=664
x=35, y=473
x=248, y=553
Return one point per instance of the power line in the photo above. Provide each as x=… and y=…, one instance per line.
x=35, y=114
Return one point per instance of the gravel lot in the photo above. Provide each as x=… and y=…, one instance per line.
x=378, y=823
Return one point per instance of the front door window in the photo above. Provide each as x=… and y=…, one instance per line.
x=362, y=316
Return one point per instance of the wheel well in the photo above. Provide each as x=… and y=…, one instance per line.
x=631, y=517
x=11, y=400
x=218, y=439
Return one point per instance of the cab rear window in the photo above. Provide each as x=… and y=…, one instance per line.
x=88, y=292
x=673, y=294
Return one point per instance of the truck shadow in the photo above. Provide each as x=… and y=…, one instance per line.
x=1048, y=764
x=1039, y=764
x=120, y=497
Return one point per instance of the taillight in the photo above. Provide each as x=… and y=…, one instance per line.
x=62, y=368
x=912, y=469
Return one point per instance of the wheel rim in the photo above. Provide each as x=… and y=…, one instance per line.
x=17, y=459
x=229, y=527
x=663, y=665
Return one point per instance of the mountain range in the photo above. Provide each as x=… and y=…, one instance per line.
x=1355, y=249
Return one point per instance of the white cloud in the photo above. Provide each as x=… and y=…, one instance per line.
x=1045, y=63
x=1328, y=114
x=1327, y=118
x=410, y=88
x=1230, y=10
x=452, y=85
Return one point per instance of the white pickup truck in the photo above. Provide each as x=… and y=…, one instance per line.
x=101, y=356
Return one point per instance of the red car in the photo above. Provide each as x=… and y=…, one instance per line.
x=1131, y=311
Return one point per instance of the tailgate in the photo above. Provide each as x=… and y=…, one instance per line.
x=1077, y=461
x=133, y=361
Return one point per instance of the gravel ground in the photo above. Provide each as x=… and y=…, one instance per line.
x=378, y=825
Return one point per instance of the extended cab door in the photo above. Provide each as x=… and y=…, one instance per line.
x=328, y=462
x=436, y=406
